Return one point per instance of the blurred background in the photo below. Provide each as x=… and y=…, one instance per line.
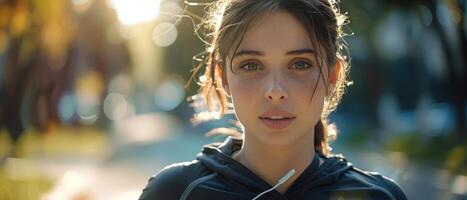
x=92, y=98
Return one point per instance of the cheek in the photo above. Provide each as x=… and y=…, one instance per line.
x=243, y=90
x=306, y=87
x=243, y=109
x=309, y=96
x=245, y=95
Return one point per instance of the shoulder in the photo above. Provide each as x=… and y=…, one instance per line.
x=373, y=184
x=171, y=181
x=379, y=181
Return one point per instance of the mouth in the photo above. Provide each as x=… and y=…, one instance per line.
x=277, y=118
x=277, y=123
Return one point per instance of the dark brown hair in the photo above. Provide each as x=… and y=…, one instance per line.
x=227, y=21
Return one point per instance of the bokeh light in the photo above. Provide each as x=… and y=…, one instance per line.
x=164, y=34
x=425, y=14
x=116, y=107
x=459, y=185
x=88, y=109
x=170, y=93
x=390, y=37
x=444, y=15
x=67, y=108
x=136, y=11
x=88, y=88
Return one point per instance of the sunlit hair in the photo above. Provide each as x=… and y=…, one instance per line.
x=225, y=24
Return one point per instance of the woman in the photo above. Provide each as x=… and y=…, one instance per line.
x=280, y=63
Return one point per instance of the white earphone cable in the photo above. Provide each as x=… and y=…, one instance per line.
x=280, y=182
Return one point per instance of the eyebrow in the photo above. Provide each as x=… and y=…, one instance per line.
x=259, y=53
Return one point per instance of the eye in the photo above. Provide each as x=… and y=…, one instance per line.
x=301, y=65
x=250, y=66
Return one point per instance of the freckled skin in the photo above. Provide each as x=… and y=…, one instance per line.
x=273, y=75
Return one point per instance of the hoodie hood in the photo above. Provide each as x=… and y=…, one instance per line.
x=218, y=158
x=216, y=175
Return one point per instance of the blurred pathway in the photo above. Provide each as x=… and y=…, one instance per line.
x=418, y=182
x=122, y=173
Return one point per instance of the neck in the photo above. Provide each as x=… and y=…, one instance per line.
x=272, y=162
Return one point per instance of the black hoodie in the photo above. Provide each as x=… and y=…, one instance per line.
x=215, y=175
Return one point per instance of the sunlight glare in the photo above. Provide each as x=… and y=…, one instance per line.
x=136, y=11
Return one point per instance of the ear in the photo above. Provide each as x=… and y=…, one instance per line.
x=334, y=77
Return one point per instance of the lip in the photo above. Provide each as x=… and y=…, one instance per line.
x=277, y=123
x=276, y=112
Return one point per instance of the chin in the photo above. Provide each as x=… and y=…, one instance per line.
x=278, y=138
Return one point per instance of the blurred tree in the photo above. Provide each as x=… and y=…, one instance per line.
x=456, y=55
x=47, y=46
x=367, y=15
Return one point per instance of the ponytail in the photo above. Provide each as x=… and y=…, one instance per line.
x=323, y=132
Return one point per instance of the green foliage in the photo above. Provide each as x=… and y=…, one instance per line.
x=358, y=138
x=445, y=151
x=30, y=188
x=409, y=143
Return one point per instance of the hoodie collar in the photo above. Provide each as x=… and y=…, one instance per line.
x=218, y=158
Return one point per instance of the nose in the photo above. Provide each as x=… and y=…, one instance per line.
x=276, y=92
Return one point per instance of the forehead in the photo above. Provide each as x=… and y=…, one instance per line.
x=276, y=31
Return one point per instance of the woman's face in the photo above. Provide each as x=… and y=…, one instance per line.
x=275, y=72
